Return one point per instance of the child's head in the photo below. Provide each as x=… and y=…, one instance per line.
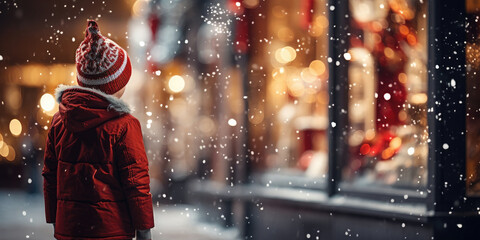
x=119, y=93
x=101, y=63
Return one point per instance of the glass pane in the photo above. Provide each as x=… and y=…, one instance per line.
x=292, y=115
x=473, y=97
x=387, y=97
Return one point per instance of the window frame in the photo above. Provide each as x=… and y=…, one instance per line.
x=443, y=166
x=338, y=88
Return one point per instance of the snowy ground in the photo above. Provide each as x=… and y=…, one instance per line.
x=22, y=217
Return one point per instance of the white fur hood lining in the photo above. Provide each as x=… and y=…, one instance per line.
x=115, y=103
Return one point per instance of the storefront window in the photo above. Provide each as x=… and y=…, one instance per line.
x=473, y=97
x=387, y=95
x=295, y=114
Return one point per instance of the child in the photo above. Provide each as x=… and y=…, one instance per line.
x=96, y=181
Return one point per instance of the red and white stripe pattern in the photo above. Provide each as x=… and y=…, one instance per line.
x=101, y=63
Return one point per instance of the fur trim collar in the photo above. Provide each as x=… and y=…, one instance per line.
x=115, y=103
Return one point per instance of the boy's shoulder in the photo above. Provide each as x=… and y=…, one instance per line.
x=126, y=117
x=118, y=125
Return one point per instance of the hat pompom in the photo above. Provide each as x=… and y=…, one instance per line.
x=92, y=28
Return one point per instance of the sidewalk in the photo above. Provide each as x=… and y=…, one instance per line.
x=22, y=217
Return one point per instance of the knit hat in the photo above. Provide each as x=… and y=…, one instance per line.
x=101, y=63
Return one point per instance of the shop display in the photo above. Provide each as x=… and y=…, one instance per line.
x=387, y=94
x=296, y=90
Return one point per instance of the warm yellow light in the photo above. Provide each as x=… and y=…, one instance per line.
x=370, y=134
x=176, y=84
x=319, y=26
x=289, y=54
x=13, y=97
x=402, y=77
x=256, y=117
x=402, y=115
x=285, y=54
x=47, y=102
x=250, y=3
x=278, y=56
x=357, y=138
x=388, y=153
x=315, y=31
x=279, y=74
x=278, y=87
x=285, y=34
x=395, y=143
x=389, y=52
x=4, y=150
x=1, y=141
x=317, y=67
x=321, y=21
x=296, y=87
x=51, y=112
x=278, y=11
x=11, y=154
x=418, y=98
x=308, y=76
x=139, y=7
x=15, y=127
x=310, y=95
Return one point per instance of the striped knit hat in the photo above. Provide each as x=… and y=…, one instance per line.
x=101, y=63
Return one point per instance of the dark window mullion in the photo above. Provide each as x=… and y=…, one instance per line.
x=446, y=105
x=338, y=91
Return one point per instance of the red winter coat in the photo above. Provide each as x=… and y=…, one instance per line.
x=96, y=181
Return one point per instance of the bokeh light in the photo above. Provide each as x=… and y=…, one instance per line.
x=47, y=102
x=139, y=7
x=176, y=84
x=285, y=54
x=251, y=3
x=307, y=75
x=4, y=150
x=11, y=154
x=317, y=67
x=15, y=127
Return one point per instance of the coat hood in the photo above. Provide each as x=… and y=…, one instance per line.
x=84, y=108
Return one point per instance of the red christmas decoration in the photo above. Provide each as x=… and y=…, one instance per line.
x=153, y=23
x=241, y=25
x=241, y=35
x=307, y=13
x=390, y=60
x=235, y=6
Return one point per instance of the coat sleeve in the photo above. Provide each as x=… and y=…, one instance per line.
x=49, y=174
x=132, y=164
